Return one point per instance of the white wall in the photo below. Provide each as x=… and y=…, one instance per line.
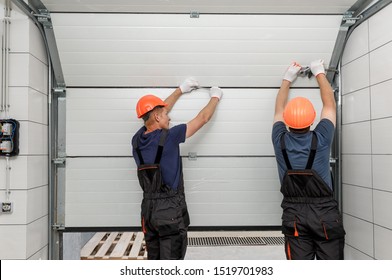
x=24, y=233
x=367, y=152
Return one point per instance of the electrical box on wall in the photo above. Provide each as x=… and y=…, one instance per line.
x=9, y=137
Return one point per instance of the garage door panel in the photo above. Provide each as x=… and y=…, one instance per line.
x=206, y=169
x=285, y=48
x=233, y=174
x=107, y=126
x=105, y=173
x=235, y=163
x=229, y=149
x=227, y=50
x=241, y=220
x=141, y=26
x=108, y=188
x=224, y=116
x=95, y=209
x=206, y=79
x=169, y=21
x=181, y=58
x=244, y=185
x=232, y=71
x=96, y=115
x=110, y=61
x=107, y=197
x=93, y=184
x=252, y=208
x=104, y=220
x=236, y=197
x=195, y=34
x=241, y=125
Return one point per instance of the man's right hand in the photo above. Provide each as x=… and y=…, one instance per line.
x=216, y=92
x=317, y=67
x=292, y=72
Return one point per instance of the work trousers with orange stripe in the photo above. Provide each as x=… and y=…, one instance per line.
x=313, y=231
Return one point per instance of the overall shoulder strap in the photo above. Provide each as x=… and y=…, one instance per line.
x=162, y=140
x=284, y=152
x=158, y=156
x=312, y=154
x=136, y=147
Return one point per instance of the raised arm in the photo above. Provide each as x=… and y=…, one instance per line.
x=326, y=92
x=187, y=86
x=283, y=93
x=205, y=114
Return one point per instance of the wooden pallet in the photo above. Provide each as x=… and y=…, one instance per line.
x=115, y=246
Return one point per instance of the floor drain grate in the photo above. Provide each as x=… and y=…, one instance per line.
x=274, y=240
x=234, y=241
x=225, y=241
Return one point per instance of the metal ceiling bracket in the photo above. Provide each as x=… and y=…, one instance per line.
x=44, y=18
x=349, y=19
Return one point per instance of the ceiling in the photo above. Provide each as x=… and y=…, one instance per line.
x=201, y=6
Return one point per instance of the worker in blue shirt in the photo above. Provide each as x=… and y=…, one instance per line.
x=311, y=221
x=156, y=150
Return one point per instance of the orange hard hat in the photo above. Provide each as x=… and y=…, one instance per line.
x=299, y=113
x=147, y=103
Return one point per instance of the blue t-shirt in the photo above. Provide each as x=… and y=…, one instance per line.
x=170, y=161
x=298, y=149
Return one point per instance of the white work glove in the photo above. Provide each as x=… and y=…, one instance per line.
x=189, y=85
x=292, y=72
x=216, y=92
x=317, y=67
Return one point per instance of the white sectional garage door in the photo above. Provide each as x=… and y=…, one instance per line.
x=109, y=61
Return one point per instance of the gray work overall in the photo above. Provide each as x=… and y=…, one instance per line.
x=164, y=214
x=311, y=221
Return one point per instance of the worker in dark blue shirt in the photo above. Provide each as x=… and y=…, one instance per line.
x=311, y=221
x=156, y=150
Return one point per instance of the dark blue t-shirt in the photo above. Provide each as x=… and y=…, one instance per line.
x=298, y=149
x=170, y=161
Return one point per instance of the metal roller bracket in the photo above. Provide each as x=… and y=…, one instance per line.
x=306, y=72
